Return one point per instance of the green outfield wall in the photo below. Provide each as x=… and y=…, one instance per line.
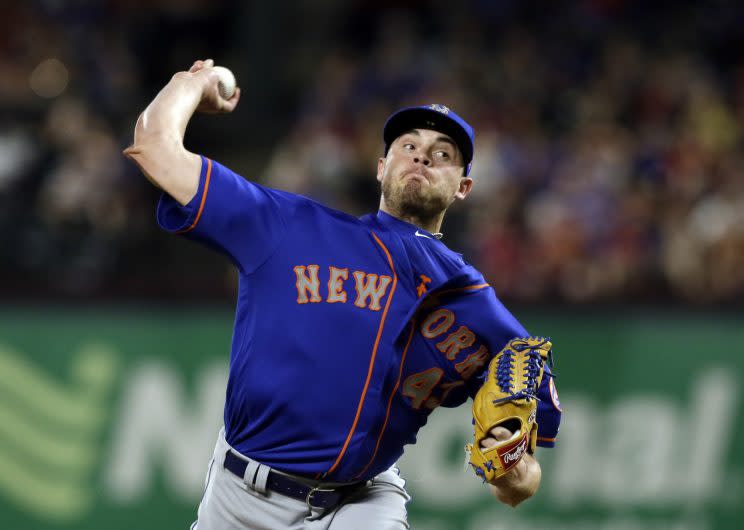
x=108, y=418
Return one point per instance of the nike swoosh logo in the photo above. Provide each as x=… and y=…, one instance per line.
x=419, y=234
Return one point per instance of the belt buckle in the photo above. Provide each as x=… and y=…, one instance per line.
x=313, y=491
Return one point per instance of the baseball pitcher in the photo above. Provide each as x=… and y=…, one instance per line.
x=348, y=331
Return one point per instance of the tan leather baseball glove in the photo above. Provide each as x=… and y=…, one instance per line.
x=508, y=398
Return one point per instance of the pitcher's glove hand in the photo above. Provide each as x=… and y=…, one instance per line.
x=508, y=399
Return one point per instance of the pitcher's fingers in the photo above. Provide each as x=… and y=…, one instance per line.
x=501, y=433
x=235, y=97
x=198, y=65
x=497, y=434
x=230, y=104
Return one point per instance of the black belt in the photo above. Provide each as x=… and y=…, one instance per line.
x=315, y=497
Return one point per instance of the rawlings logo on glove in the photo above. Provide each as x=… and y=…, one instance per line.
x=508, y=398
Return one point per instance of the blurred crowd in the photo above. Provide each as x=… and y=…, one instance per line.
x=609, y=160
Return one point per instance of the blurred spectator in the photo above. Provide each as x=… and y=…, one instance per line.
x=608, y=152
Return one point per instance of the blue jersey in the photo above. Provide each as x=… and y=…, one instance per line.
x=348, y=332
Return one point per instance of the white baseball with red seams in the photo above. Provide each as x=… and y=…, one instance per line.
x=226, y=84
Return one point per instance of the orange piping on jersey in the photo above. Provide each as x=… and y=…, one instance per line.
x=204, y=199
x=468, y=288
x=543, y=439
x=372, y=360
x=390, y=402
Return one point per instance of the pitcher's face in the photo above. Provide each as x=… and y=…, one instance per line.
x=423, y=173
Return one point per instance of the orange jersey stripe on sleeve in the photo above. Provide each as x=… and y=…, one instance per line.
x=468, y=288
x=203, y=199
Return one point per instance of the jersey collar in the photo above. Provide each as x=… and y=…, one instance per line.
x=403, y=227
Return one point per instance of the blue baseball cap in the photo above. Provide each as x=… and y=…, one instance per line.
x=436, y=117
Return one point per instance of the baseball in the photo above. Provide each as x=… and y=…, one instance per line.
x=226, y=84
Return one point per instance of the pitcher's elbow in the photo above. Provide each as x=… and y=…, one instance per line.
x=141, y=153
